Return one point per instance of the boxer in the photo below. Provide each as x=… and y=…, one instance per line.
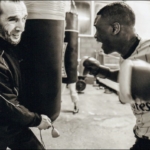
x=114, y=25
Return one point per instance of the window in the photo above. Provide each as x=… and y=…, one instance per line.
x=142, y=12
x=84, y=10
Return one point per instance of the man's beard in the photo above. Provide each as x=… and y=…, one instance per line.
x=5, y=35
x=108, y=48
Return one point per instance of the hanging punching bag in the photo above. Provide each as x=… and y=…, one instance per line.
x=71, y=53
x=42, y=44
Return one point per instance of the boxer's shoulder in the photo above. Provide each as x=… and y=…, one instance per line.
x=142, y=51
x=143, y=45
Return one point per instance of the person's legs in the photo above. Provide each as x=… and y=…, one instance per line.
x=135, y=146
x=141, y=144
x=26, y=140
x=5, y=141
x=74, y=96
x=3, y=145
x=63, y=87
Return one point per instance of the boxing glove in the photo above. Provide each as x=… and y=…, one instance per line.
x=93, y=67
x=134, y=80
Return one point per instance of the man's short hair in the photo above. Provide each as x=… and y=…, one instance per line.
x=7, y=0
x=118, y=12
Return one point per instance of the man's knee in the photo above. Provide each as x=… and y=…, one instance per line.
x=26, y=140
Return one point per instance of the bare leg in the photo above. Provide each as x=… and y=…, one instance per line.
x=74, y=96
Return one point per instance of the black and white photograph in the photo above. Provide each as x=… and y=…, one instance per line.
x=74, y=74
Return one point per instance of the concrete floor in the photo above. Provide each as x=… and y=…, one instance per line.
x=102, y=123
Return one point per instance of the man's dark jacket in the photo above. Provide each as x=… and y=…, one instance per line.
x=13, y=116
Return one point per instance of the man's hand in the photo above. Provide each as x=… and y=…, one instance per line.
x=45, y=123
x=91, y=66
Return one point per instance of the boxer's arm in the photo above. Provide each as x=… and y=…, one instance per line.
x=93, y=67
x=113, y=75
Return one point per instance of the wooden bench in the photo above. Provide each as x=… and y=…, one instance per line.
x=108, y=84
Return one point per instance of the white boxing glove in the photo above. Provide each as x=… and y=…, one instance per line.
x=134, y=80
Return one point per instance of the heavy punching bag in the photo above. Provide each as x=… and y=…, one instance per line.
x=71, y=53
x=42, y=44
